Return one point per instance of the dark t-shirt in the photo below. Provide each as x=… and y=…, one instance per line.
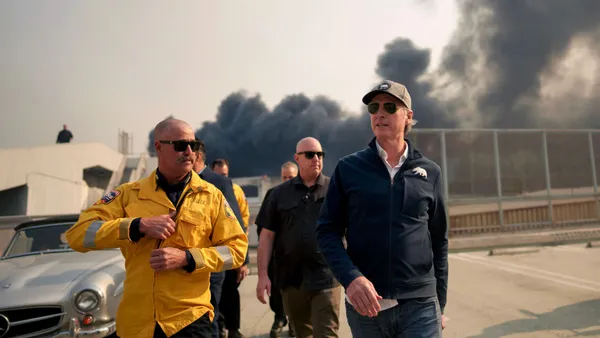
x=64, y=136
x=291, y=211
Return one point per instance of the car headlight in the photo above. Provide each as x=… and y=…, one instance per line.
x=87, y=300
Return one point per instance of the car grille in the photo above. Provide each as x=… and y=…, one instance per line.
x=30, y=321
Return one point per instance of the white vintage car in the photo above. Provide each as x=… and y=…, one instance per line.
x=49, y=290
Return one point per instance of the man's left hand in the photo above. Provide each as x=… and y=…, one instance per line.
x=167, y=259
x=443, y=322
x=242, y=272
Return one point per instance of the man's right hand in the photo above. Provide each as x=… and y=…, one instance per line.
x=364, y=297
x=264, y=284
x=159, y=227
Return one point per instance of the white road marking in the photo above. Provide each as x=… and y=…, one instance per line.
x=529, y=268
x=520, y=271
x=569, y=249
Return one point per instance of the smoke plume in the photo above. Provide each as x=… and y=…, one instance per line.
x=257, y=141
x=510, y=64
x=524, y=64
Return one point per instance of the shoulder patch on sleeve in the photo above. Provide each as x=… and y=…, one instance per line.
x=109, y=197
x=228, y=211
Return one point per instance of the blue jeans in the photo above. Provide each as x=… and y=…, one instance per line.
x=216, y=285
x=411, y=318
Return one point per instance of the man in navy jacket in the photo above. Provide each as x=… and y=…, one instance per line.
x=388, y=201
x=216, y=279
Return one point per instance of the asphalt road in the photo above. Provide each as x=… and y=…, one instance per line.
x=526, y=292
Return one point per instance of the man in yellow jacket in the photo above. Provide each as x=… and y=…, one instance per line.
x=173, y=230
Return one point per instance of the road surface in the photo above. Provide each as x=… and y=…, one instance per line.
x=526, y=292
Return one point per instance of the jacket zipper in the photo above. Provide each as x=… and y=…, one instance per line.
x=159, y=242
x=400, y=175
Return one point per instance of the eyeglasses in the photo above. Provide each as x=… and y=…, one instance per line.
x=181, y=145
x=389, y=107
x=310, y=154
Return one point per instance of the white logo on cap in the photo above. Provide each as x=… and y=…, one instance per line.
x=384, y=86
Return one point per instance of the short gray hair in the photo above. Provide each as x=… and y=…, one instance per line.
x=289, y=164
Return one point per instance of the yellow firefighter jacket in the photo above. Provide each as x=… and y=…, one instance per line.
x=243, y=203
x=206, y=226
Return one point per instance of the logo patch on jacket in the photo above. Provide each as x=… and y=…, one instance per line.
x=420, y=171
x=228, y=211
x=109, y=197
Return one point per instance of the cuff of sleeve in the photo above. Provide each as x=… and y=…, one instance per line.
x=198, y=258
x=191, y=262
x=134, y=230
x=124, y=229
x=349, y=277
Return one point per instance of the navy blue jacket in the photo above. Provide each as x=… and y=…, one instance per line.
x=396, y=230
x=226, y=186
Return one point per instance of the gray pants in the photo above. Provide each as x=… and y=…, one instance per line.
x=411, y=318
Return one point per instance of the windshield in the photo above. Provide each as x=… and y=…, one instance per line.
x=39, y=239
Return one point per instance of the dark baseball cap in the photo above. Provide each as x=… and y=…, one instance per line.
x=392, y=88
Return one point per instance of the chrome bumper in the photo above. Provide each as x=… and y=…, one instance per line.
x=75, y=330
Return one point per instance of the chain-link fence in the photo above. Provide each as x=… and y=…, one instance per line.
x=500, y=178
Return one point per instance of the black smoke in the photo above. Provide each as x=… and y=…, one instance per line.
x=495, y=61
x=403, y=62
x=491, y=76
x=257, y=141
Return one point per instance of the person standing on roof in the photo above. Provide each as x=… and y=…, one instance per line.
x=217, y=279
x=174, y=230
x=388, y=199
x=64, y=136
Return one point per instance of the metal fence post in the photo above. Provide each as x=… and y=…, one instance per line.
x=444, y=164
x=547, y=169
x=594, y=178
x=498, y=177
x=445, y=173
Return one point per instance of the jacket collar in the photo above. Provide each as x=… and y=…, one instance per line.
x=149, y=189
x=320, y=180
x=413, y=152
x=205, y=171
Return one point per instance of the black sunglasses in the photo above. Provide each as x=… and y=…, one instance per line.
x=182, y=145
x=389, y=107
x=310, y=154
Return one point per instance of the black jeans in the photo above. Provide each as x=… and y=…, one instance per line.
x=201, y=328
x=229, y=306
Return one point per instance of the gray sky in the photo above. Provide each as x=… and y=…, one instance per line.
x=103, y=65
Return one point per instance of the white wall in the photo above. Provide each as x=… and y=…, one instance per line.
x=65, y=161
x=48, y=195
